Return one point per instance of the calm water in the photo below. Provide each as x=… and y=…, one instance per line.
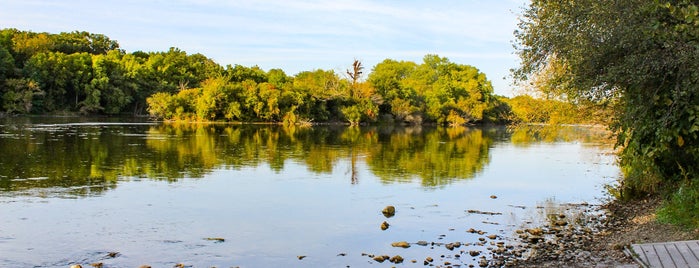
x=74, y=192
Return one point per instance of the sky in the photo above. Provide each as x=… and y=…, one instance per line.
x=294, y=36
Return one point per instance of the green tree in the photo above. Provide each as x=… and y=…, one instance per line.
x=436, y=90
x=321, y=91
x=110, y=89
x=77, y=42
x=19, y=95
x=641, y=56
x=7, y=64
x=63, y=78
x=239, y=73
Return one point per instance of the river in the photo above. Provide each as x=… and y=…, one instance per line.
x=128, y=193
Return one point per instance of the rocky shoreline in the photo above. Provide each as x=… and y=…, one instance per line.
x=599, y=241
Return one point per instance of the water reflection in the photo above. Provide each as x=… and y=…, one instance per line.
x=86, y=159
x=156, y=193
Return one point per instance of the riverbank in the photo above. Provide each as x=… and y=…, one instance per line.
x=600, y=242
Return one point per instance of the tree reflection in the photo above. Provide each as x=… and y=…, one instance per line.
x=435, y=157
x=526, y=135
x=84, y=160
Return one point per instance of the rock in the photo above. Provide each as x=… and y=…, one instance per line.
x=113, y=254
x=449, y=246
x=97, y=264
x=483, y=263
x=492, y=237
x=535, y=239
x=380, y=258
x=560, y=223
x=474, y=253
x=301, y=257
x=384, y=225
x=535, y=231
x=396, y=259
x=389, y=211
x=401, y=244
x=493, y=196
x=144, y=266
x=76, y=266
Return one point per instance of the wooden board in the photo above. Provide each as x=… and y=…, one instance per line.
x=678, y=254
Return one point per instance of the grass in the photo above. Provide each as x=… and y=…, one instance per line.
x=682, y=208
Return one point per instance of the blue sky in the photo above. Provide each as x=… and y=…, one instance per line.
x=293, y=35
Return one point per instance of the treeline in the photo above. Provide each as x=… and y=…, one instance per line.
x=86, y=73
x=435, y=91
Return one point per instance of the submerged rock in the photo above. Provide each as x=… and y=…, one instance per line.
x=215, y=239
x=474, y=211
x=389, y=211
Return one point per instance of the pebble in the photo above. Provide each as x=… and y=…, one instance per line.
x=384, y=225
x=389, y=211
x=401, y=244
x=396, y=259
x=381, y=258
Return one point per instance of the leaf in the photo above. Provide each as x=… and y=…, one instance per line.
x=680, y=141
